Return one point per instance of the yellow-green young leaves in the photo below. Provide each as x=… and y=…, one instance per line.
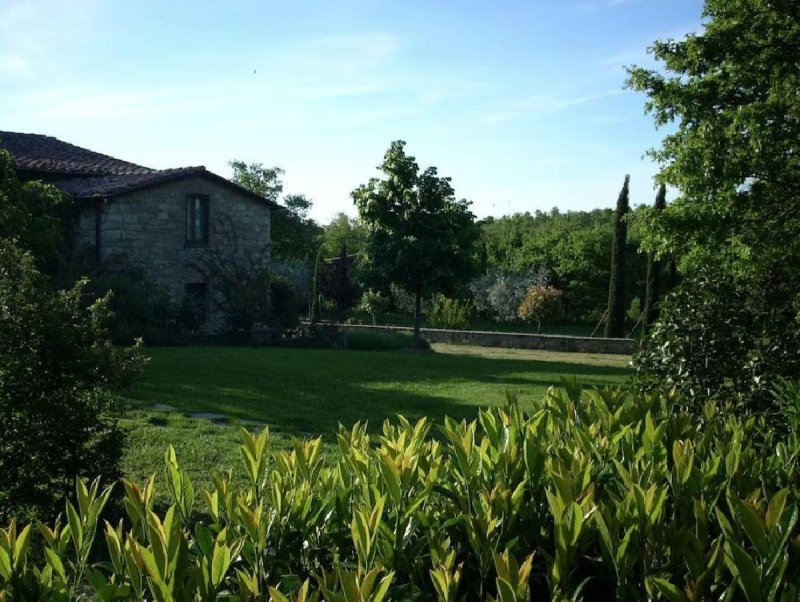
x=623, y=490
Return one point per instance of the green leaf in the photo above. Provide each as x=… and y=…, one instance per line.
x=775, y=509
x=744, y=569
x=21, y=547
x=56, y=563
x=391, y=476
x=748, y=518
x=383, y=587
x=75, y=527
x=668, y=590
x=505, y=591
x=5, y=563
x=573, y=519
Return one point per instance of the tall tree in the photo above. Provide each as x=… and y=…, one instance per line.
x=264, y=181
x=732, y=95
x=653, y=281
x=615, y=316
x=733, y=91
x=420, y=236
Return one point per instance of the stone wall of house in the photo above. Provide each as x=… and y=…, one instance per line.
x=148, y=229
x=510, y=340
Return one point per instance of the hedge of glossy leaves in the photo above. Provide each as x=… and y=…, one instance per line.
x=595, y=495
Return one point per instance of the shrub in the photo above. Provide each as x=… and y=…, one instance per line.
x=379, y=341
x=284, y=302
x=597, y=495
x=140, y=308
x=499, y=294
x=541, y=304
x=448, y=313
x=721, y=338
x=57, y=371
x=374, y=304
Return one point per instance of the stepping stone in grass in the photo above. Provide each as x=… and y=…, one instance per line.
x=217, y=418
x=162, y=407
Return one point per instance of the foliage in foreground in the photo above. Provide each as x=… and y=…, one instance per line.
x=595, y=495
x=57, y=370
x=718, y=338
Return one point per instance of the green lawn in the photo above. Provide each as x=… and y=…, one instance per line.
x=308, y=392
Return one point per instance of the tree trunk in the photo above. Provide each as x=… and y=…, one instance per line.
x=417, y=317
x=314, y=317
x=615, y=322
x=653, y=282
x=652, y=292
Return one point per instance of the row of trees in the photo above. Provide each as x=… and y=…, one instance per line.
x=733, y=326
x=569, y=251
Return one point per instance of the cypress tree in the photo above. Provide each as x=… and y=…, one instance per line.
x=615, y=314
x=653, y=282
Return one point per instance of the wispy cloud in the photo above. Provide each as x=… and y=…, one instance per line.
x=547, y=104
x=160, y=101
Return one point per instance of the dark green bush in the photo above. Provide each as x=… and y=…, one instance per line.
x=379, y=341
x=140, y=308
x=723, y=338
x=57, y=372
x=285, y=305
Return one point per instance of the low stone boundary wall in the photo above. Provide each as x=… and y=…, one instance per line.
x=509, y=340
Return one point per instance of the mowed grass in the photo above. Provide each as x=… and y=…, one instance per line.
x=309, y=392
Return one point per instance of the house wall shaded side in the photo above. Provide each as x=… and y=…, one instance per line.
x=148, y=228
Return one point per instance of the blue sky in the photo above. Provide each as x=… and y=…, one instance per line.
x=521, y=103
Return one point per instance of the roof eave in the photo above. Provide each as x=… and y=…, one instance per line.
x=194, y=172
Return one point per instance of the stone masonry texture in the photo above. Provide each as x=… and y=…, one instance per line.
x=148, y=229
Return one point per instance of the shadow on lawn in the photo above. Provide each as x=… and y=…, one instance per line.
x=312, y=391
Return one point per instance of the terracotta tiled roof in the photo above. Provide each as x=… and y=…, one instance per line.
x=114, y=185
x=86, y=174
x=46, y=154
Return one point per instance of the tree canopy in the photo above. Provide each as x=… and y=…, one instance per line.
x=734, y=93
x=615, y=312
x=343, y=232
x=574, y=247
x=419, y=235
x=294, y=234
x=38, y=216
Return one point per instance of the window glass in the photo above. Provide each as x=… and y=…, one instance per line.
x=197, y=219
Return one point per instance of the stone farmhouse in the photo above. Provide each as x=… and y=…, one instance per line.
x=162, y=222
